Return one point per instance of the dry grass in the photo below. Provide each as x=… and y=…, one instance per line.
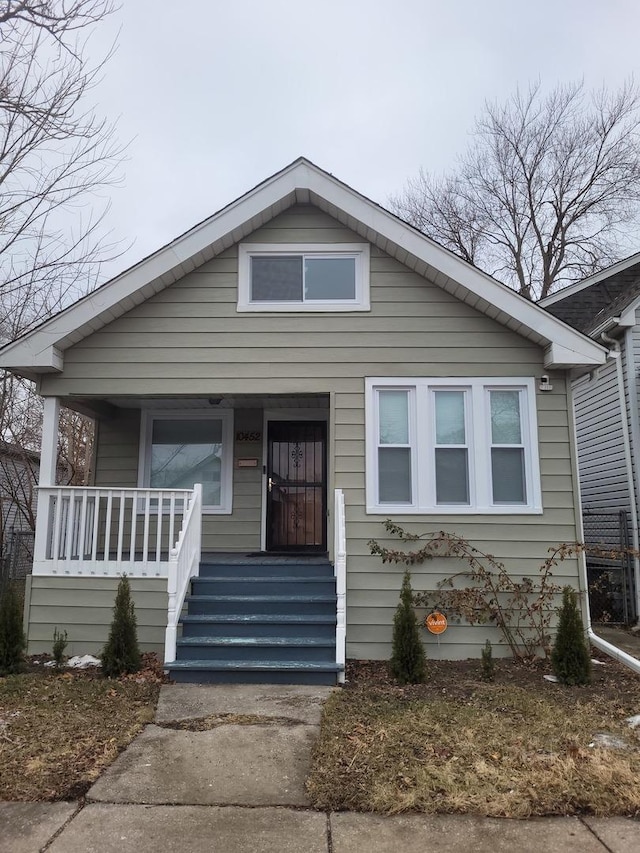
x=502, y=750
x=59, y=731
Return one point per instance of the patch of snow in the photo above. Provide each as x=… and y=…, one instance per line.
x=598, y=662
x=77, y=662
x=553, y=678
x=634, y=721
x=49, y=663
x=609, y=741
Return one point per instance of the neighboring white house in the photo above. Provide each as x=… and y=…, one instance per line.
x=606, y=307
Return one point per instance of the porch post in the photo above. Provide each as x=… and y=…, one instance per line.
x=48, y=469
x=49, y=448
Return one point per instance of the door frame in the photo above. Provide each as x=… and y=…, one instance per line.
x=288, y=415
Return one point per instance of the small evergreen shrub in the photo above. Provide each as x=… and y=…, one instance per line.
x=488, y=664
x=59, y=646
x=12, y=639
x=121, y=653
x=570, y=655
x=408, y=659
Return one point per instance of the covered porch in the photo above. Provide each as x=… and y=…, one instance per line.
x=265, y=465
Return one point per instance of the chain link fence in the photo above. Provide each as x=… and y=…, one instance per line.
x=609, y=567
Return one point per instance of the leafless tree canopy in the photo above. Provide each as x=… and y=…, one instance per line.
x=547, y=192
x=56, y=158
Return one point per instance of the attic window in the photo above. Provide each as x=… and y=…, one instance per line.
x=297, y=277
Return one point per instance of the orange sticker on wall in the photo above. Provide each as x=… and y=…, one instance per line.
x=436, y=622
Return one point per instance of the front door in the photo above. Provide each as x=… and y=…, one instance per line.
x=296, y=486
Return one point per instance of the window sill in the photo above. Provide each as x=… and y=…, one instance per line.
x=399, y=509
x=303, y=307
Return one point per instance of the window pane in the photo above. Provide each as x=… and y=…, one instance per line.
x=394, y=417
x=185, y=452
x=276, y=279
x=507, y=473
x=505, y=417
x=330, y=278
x=394, y=475
x=452, y=476
x=450, y=417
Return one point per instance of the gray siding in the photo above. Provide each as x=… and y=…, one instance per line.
x=83, y=607
x=189, y=339
x=599, y=434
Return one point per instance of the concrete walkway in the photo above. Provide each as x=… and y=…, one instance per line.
x=222, y=770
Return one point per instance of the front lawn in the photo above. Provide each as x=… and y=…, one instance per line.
x=517, y=747
x=58, y=731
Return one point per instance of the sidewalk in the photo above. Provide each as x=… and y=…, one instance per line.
x=191, y=784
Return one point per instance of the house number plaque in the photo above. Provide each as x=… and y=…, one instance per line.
x=248, y=436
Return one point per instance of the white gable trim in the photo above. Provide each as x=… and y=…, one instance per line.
x=36, y=352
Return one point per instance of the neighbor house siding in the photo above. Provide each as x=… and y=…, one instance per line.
x=83, y=607
x=600, y=441
x=189, y=339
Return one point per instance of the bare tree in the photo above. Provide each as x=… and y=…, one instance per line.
x=57, y=156
x=547, y=191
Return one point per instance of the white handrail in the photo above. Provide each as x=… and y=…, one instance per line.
x=183, y=565
x=90, y=530
x=340, y=571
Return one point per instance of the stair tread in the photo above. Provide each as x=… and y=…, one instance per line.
x=258, y=617
x=266, y=578
x=311, y=598
x=254, y=665
x=255, y=641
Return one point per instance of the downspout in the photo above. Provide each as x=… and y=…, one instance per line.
x=626, y=442
x=594, y=639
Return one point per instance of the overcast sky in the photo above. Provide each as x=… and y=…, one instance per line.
x=216, y=96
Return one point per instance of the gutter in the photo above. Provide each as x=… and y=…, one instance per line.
x=603, y=645
x=626, y=441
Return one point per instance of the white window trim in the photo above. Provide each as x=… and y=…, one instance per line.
x=359, y=251
x=226, y=469
x=478, y=438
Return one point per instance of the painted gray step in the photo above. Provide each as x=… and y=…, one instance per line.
x=262, y=651
x=250, y=672
x=321, y=605
x=263, y=586
x=260, y=626
x=237, y=570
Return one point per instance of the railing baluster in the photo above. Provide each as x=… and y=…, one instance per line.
x=70, y=520
x=134, y=519
x=159, y=527
x=95, y=533
x=145, y=540
x=121, y=525
x=107, y=525
x=55, y=548
x=172, y=520
x=83, y=527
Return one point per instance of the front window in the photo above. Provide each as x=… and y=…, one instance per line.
x=443, y=445
x=303, y=278
x=180, y=451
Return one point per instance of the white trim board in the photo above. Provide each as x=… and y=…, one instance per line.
x=42, y=350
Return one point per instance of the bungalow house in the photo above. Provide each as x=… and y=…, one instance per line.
x=606, y=306
x=268, y=389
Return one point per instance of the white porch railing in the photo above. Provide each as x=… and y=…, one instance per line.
x=183, y=565
x=340, y=571
x=84, y=531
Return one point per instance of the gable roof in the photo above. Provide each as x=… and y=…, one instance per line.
x=588, y=304
x=42, y=350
